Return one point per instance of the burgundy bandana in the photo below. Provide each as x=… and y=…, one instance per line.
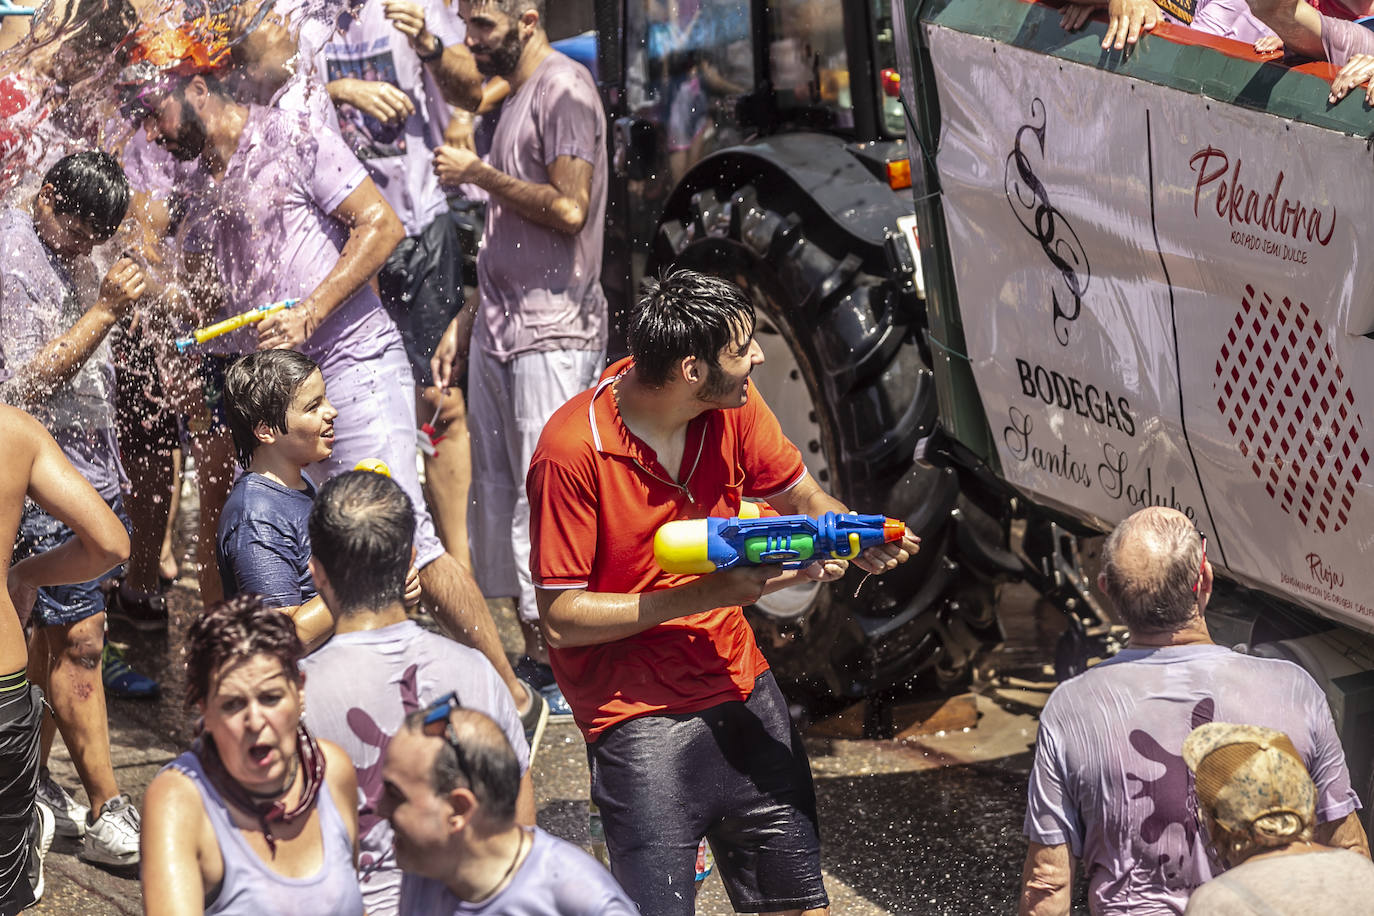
x=312, y=767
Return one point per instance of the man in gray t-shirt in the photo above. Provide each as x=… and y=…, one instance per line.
x=537, y=335
x=450, y=778
x=1109, y=785
x=379, y=666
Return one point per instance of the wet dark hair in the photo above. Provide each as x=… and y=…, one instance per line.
x=259, y=388
x=91, y=28
x=513, y=9
x=234, y=631
x=91, y=186
x=488, y=767
x=685, y=313
x=361, y=528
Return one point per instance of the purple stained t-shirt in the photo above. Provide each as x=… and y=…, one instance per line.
x=541, y=288
x=1342, y=40
x=359, y=687
x=1229, y=19
x=399, y=157
x=268, y=228
x=39, y=301
x=556, y=879
x=1109, y=778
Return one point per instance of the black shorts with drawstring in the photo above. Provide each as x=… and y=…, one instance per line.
x=21, y=711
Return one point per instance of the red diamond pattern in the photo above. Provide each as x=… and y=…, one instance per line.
x=1293, y=465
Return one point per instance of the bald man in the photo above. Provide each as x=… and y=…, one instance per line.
x=1109, y=785
x=450, y=783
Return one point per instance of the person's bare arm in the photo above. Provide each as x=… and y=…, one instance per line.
x=377, y=98
x=1297, y=24
x=63, y=356
x=314, y=623
x=374, y=230
x=169, y=846
x=451, y=354
x=494, y=92
x=561, y=205
x=100, y=544
x=577, y=617
x=1346, y=833
x=455, y=71
x=1046, y=881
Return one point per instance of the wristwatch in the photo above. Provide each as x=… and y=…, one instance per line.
x=432, y=55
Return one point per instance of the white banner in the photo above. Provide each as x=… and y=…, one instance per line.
x=1163, y=306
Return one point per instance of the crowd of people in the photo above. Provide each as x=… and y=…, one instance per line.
x=295, y=166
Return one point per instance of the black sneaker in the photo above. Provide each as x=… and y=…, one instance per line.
x=146, y=612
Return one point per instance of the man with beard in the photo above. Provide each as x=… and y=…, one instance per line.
x=280, y=208
x=537, y=333
x=688, y=734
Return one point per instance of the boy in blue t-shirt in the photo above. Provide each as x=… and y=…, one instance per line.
x=282, y=422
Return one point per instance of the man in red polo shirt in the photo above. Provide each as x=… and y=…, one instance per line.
x=687, y=732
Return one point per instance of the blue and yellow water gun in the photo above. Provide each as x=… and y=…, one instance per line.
x=706, y=545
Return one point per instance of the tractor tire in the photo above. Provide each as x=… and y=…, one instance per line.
x=846, y=375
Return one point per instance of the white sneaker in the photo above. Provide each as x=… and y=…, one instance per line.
x=69, y=814
x=112, y=839
x=42, y=842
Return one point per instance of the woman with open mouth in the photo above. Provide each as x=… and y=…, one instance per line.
x=258, y=817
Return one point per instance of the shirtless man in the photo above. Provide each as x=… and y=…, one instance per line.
x=36, y=468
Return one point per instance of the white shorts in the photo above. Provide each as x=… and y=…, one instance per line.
x=376, y=404
x=508, y=405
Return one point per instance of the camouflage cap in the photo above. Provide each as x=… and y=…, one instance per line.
x=1246, y=773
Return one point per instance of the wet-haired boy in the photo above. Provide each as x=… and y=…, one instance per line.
x=55, y=315
x=282, y=423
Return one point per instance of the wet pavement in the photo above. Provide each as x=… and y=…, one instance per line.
x=927, y=825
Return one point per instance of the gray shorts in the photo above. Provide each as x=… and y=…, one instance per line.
x=737, y=774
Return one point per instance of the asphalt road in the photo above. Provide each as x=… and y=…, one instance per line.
x=928, y=825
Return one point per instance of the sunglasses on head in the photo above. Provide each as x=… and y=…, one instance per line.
x=435, y=723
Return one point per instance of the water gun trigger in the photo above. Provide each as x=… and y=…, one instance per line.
x=855, y=548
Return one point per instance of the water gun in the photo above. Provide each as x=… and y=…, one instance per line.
x=375, y=465
x=7, y=8
x=252, y=316
x=706, y=545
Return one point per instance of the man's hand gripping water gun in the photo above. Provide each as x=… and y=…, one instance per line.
x=228, y=325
